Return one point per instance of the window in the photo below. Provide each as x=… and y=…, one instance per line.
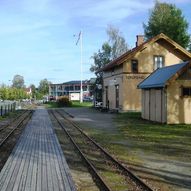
x=186, y=91
x=134, y=66
x=84, y=88
x=158, y=62
x=77, y=87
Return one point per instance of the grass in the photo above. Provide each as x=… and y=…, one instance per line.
x=74, y=104
x=171, y=141
x=83, y=104
x=145, y=145
x=10, y=115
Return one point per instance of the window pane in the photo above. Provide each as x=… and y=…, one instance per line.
x=134, y=66
x=186, y=91
x=158, y=62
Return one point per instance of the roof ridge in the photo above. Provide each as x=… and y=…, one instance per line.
x=160, y=77
x=118, y=61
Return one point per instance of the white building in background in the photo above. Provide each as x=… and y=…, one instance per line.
x=72, y=89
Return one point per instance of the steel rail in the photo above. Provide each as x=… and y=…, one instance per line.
x=12, y=121
x=99, y=180
x=120, y=166
x=2, y=142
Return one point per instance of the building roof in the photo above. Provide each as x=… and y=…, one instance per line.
x=160, y=77
x=74, y=82
x=129, y=54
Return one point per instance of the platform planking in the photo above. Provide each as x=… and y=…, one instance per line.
x=37, y=162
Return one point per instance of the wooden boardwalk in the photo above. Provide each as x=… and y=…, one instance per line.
x=37, y=162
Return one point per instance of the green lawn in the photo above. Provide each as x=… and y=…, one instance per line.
x=168, y=140
x=84, y=104
x=151, y=150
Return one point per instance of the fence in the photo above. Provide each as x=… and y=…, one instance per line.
x=5, y=108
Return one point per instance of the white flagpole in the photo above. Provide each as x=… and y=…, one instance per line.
x=81, y=86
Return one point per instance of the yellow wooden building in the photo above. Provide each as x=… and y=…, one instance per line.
x=166, y=94
x=122, y=75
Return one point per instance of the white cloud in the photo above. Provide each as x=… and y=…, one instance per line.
x=109, y=10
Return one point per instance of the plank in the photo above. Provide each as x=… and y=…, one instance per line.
x=37, y=162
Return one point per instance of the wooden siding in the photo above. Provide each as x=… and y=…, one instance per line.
x=154, y=105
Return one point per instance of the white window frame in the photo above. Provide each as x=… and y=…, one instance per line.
x=158, y=61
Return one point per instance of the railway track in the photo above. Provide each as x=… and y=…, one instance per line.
x=2, y=127
x=107, y=172
x=8, y=130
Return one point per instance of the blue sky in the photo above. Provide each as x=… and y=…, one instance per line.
x=36, y=36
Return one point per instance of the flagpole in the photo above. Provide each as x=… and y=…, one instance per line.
x=81, y=69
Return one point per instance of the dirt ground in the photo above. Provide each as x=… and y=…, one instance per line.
x=158, y=170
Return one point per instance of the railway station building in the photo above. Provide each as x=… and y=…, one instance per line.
x=122, y=75
x=166, y=95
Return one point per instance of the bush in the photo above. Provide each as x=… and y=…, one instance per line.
x=64, y=101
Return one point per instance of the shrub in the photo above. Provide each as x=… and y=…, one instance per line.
x=64, y=101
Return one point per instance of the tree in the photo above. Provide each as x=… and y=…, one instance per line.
x=33, y=89
x=44, y=86
x=117, y=42
x=18, y=81
x=166, y=18
x=110, y=50
x=101, y=58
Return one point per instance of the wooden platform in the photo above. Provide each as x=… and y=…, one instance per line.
x=37, y=162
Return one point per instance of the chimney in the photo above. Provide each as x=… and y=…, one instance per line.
x=140, y=40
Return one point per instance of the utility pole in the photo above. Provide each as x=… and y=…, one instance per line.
x=81, y=69
x=81, y=64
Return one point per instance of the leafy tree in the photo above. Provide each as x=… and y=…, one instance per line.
x=4, y=93
x=44, y=86
x=33, y=89
x=110, y=50
x=10, y=93
x=18, y=81
x=101, y=58
x=117, y=42
x=168, y=19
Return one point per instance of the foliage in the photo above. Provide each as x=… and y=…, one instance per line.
x=64, y=101
x=44, y=86
x=166, y=18
x=18, y=81
x=38, y=95
x=33, y=89
x=10, y=93
x=101, y=58
x=110, y=50
x=117, y=42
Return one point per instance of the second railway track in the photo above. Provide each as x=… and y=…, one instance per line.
x=107, y=172
x=9, y=129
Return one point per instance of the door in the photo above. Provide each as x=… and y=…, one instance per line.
x=106, y=98
x=117, y=96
